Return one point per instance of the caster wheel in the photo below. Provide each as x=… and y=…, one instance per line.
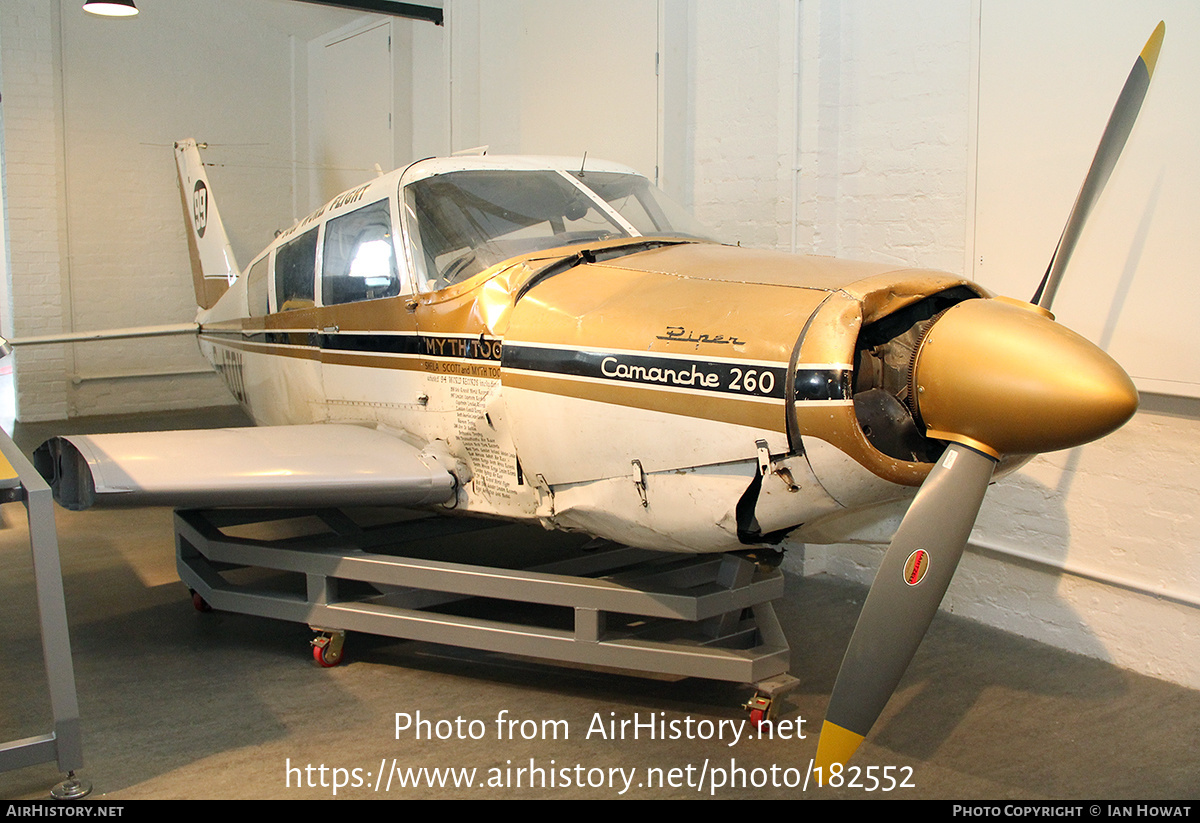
x=327, y=651
x=324, y=660
x=200, y=604
x=759, y=708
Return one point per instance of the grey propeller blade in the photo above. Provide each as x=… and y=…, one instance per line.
x=908, y=588
x=1120, y=123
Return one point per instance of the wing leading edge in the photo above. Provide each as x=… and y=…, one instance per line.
x=315, y=465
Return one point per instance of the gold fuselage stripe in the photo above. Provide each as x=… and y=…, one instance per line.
x=756, y=412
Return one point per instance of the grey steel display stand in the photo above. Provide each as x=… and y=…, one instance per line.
x=20, y=481
x=685, y=615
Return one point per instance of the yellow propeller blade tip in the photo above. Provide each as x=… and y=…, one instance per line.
x=1153, y=45
x=836, y=745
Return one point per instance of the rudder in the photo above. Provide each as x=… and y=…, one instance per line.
x=214, y=266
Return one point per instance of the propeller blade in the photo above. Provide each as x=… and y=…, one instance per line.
x=908, y=588
x=1120, y=123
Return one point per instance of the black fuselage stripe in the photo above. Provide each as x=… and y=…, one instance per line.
x=421, y=345
x=719, y=376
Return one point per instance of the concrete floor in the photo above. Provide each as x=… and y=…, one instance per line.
x=179, y=704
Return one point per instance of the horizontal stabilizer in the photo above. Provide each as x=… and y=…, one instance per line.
x=132, y=332
x=317, y=465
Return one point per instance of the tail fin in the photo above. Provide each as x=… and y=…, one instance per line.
x=213, y=264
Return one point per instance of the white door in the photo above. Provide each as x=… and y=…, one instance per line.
x=356, y=111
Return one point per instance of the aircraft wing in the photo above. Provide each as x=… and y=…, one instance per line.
x=313, y=465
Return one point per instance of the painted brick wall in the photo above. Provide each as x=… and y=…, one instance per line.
x=901, y=142
x=92, y=107
x=739, y=85
x=36, y=207
x=882, y=141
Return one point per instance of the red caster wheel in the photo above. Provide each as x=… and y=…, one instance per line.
x=760, y=711
x=757, y=716
x=200, y=604
x=324, y=660
x=327, y=649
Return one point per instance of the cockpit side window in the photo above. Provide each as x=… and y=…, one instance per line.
x=295, y=268
x=359, y=258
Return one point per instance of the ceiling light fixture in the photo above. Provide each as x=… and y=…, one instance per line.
x=111, y=8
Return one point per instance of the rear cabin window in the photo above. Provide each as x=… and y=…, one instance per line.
x=359, y=258
x=295, y=268
x=256, y=288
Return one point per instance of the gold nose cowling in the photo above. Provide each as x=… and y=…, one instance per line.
x=1003, y=377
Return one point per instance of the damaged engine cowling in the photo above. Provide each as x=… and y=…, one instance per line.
x=884, y=364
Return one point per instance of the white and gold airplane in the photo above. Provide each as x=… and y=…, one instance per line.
x=544, y=340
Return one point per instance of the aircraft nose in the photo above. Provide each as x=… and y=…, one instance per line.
x=1001, y=375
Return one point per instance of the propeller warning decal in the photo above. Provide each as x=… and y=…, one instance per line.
x=200, y=207
x=916, y=566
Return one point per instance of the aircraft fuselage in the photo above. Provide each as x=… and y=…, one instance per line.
x=629, y=388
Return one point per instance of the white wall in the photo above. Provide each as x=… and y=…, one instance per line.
x=34, y=194
x=741, y=119
x=1046, y=87
x=129, y=91
x=864, y=110
x=531, y=77
x=1108, y=531
x=91, y=108
x=880, y=143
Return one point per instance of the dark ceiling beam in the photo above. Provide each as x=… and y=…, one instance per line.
x=414, y=11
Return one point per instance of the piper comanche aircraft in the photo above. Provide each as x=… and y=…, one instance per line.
x=544, y=340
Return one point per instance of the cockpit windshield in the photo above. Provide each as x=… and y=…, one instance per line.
x=644, y=205
x=463, y=222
